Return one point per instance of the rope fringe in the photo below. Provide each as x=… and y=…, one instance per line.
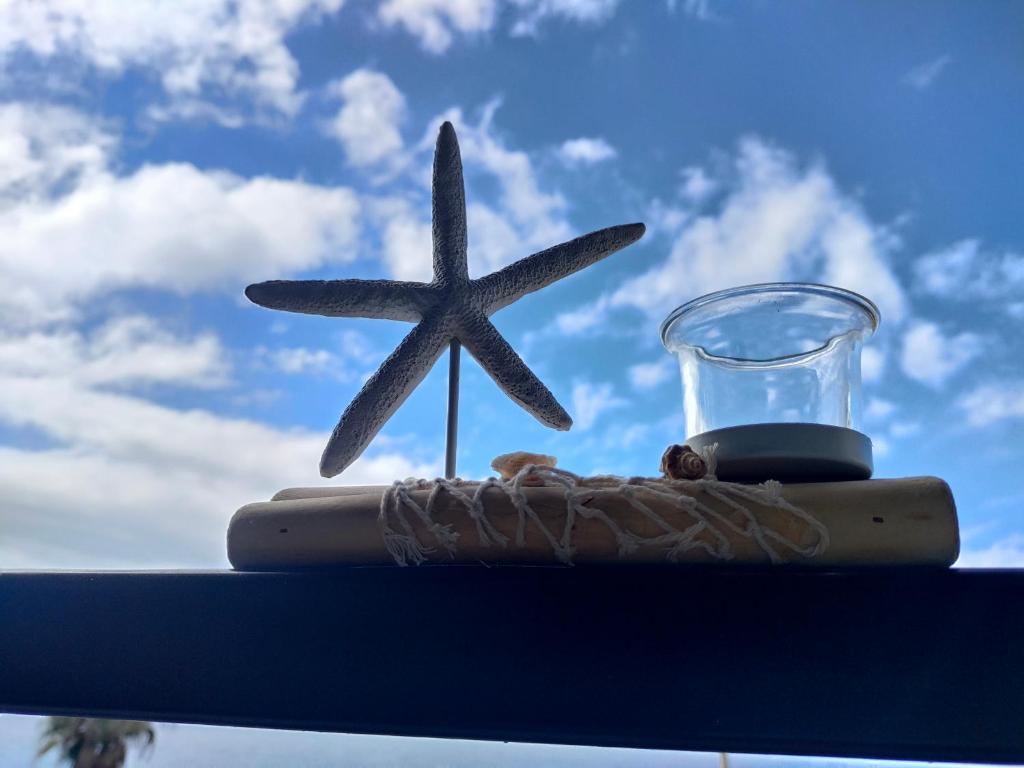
x=582, y=499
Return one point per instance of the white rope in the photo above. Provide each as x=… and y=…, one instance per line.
x=583, y=496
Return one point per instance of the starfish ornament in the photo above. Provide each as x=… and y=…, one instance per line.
x=448, y=310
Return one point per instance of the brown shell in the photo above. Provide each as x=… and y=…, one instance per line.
x=681, y=462
x=508, y=465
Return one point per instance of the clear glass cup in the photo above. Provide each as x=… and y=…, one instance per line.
x=769, y=354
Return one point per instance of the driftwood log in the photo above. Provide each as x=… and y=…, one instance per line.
x=870, y=523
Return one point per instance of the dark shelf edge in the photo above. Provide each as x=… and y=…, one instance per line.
x=909, y=664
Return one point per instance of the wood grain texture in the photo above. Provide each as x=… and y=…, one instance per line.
x=871, y=523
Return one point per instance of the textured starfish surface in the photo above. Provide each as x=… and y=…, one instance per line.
x=451, y=307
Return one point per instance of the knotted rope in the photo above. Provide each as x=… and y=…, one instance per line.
x=583, y=496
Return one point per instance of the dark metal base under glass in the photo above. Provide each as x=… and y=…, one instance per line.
x=789, y=453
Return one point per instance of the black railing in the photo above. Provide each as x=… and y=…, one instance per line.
x=911, y=664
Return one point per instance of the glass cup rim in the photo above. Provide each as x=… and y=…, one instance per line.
x=866, y=305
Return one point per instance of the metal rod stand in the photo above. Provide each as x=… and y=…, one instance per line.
x=451, y=437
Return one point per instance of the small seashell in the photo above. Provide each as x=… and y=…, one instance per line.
x=508, y=465
x=681, y=462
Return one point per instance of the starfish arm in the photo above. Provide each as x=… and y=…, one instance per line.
x=449, y=210
x=501, y=288
x=381, y=299
x=496, y=356
x=385, y=391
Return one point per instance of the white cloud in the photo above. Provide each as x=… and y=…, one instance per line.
x=584, y=151
x=358, y=348
x=698, y=9
x=872, y=363
x=494, y=240
x=405, y=236
x=536, y=11
x=197, y=110
x=632, y=435
x=900, y=429
x=368, y=124
x=778, y=222
x=993, y=402
x=172, y=227
x=124, y=482
x=965, y=271
x=589, y=401
x=880, y=445
x=131, y=483
x=881, y=413
x=665, y=218
x=436, y=22
x=121, y=481
x=319, y=362
x=194, y=47
x=109, y=477
x=43, y=146
x=539, y=215
x=524, y=218
x=125, y=351
x=931, y=357
x=214, y=59
x=696, y=184
x=576, y=10
x=879, y=409
x=1005, y=553
x=355, y=351
x=923, y=75
x=96, y=231
x=645, y=376
x=584, y=318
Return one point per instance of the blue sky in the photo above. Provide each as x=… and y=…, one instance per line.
x=156, y=158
